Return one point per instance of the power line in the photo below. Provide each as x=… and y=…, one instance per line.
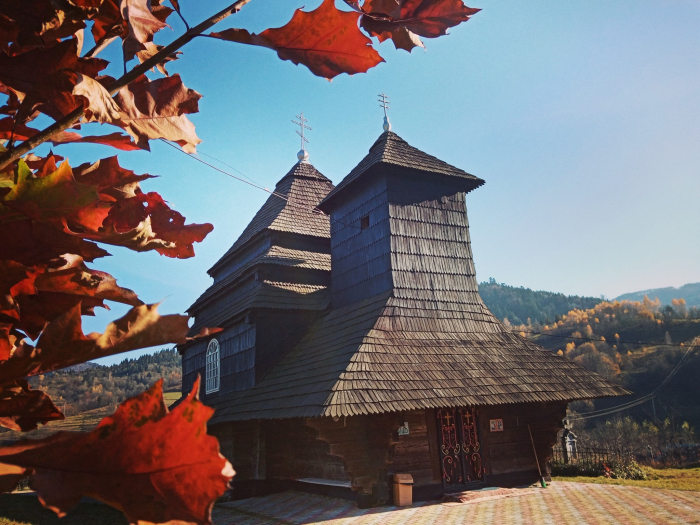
x=250, y=182
x=278, y=195
x=631, y=404
x=599, y=341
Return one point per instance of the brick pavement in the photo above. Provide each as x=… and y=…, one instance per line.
x=561, y=503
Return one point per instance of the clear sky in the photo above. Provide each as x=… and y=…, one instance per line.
x=582, y=116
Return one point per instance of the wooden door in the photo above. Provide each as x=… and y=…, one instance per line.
x=460, y=447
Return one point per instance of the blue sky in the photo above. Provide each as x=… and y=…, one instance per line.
x=582, y=116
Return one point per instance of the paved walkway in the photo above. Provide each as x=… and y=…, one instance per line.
x=561, y=503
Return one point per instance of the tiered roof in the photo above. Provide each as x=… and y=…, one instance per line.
x=390, y=149
x=302, y=188
x=429, y=342
x=289, y=211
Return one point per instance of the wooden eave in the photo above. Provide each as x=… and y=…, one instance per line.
x=390, y=150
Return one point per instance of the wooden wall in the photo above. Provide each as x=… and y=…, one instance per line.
x=510, y=451
x=360, y=259
x=367, y=450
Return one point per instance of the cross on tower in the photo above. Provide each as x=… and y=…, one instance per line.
x=303, y=155
x=384, y=103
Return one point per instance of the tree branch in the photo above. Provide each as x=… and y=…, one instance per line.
x=75, y=115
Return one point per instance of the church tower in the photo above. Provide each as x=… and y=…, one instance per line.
x=268, y=287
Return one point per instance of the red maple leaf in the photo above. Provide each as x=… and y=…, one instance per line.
x=155, y=466
x=325, y=40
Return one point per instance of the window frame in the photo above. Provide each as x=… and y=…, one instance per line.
x=212, y=370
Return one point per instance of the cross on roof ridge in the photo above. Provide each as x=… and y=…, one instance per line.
x=303, y=155
x=385, y=103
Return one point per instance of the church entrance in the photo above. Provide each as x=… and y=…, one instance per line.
x=460, y=447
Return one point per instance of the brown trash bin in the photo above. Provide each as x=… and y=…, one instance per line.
x=403, y=490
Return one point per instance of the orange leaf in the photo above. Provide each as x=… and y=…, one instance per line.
x=403, y=20
x=145, y=222
x=155, y=466
x=15, y=279
x=141, y=23
x=77, y=279
x=57, y=199
x=30, y=243
x=47, y=76
x=116, y=140
x=325, y=40
x=156, y=109
x=22, y=408
x=62, y=343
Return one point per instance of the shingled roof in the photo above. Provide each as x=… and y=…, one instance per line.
x=302, y=187
x=391, y=149
x=428, y=342
x=387, y=354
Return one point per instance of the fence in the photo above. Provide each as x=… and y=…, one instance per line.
x=589, y=455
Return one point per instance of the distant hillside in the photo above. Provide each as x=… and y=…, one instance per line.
x=520, y=304
x=636, y=344
x=89, y=386
x=690, y=292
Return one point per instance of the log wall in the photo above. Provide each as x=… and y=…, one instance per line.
x=511, y=451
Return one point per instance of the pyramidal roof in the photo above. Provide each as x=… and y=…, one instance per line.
x=391, y=149
x=290, y=209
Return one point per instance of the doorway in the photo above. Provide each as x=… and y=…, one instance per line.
x=460, y=446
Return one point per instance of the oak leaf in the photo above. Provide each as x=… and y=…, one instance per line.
x=116, y=140
x=326, y=40
x=17, y=132
x=30, y=242
x=15, y=279
x=100, y=106
x=404, y=20
x=57, y=199
x=62, y=342
x=142, y=25
x=146, y=222
x=47, y=76
x=154, y=465
x=150, y=49
x=156, y=109
x=75, y=278
x=22, y=408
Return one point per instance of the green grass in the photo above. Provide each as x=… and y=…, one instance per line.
x=26, y=510
x=668, y=478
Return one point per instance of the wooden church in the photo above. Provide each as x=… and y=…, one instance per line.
x=356, y=346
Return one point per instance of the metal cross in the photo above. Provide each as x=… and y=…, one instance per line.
x=385, y=103
x=447, y=419
x=302, y=125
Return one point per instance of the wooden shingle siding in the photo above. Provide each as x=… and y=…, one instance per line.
x=360, y=257
x=407, y=330
x=304, y=187
x=391, y=150
x=252, y=253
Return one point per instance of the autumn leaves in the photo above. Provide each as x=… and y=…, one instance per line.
x=329, y=42
x=153, y=465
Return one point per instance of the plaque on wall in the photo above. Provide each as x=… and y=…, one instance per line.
x=496, y=425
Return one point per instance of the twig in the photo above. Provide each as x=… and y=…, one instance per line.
x=75, y=115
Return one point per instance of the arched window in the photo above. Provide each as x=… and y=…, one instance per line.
x=213, y=375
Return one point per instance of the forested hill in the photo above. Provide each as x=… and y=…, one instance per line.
x=77, y=389
x=690, y=292
x=520, y=304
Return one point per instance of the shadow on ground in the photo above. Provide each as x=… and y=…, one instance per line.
x=16, y=509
